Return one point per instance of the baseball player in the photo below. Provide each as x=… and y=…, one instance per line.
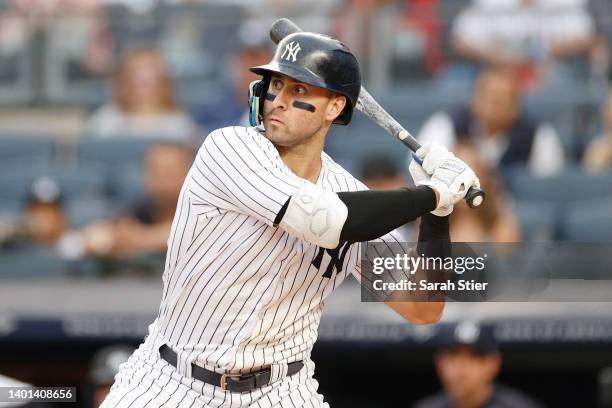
x=266, y=227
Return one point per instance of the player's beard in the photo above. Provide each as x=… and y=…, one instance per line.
x=282, y=134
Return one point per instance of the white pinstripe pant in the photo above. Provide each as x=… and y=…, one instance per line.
x=146, y=381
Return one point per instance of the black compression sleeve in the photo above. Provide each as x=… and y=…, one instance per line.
x=434, y=236
x=434, y=228
x=372, y=214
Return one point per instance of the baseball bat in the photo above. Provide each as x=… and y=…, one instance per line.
x=372, y=109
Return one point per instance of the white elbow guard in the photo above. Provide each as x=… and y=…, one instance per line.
x=315, y=215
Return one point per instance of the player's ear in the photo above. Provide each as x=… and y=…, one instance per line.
x=335, y=107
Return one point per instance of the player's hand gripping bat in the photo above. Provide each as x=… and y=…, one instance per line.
x=372, y=109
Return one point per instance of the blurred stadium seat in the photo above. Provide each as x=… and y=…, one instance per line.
x=83, y=211
x=10, y=207
x=556, y=107
x=588, y=221
x=538, y=220
x=122, y=159
x=31, y=262
x=351, y=145
x=570, y=186
x=127, y=182
x=412, y=104
x=16, y=179
x=112, y=152
x=32, y=148
x=572, y=111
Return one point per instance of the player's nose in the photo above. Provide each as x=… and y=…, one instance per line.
x=281, y=100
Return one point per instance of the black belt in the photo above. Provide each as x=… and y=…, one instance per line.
x=229, y=382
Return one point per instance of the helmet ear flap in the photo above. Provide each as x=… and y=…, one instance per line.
x=257, y=95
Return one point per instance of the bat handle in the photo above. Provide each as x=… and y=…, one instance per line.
x=474, y=196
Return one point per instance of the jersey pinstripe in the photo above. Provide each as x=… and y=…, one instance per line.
x=240, y=293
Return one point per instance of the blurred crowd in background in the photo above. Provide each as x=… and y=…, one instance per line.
x=104, y=103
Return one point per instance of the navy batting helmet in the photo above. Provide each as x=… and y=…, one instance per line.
x=317, y=60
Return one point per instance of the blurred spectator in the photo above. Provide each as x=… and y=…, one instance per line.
x=43, y=221
x=418, y=41
x=231, y=107
x=15, y=34
x=533, y=36
x=493, y=221
x=598, y=155
x=44, y=214
x=144, y=105
x=145, y=226
x=80, y=36
x=356, y=25
x=494, y=123
x=424, y=17
x=378, y=172
x=104, y=365
x=467, y=364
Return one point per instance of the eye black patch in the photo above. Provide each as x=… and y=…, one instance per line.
x=304, y=105
x=270, y=97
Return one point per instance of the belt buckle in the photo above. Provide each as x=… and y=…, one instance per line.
x=224, y=378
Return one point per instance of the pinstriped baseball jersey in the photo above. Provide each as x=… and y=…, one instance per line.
x=240, y=293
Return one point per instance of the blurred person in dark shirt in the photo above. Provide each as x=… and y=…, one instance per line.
x=378, y=172
x=144, y=103
x=503, y=135
x=144, y=226
x=467, y=363
x=598, y=155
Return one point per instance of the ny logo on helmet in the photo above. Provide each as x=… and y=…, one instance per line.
x=291, y=51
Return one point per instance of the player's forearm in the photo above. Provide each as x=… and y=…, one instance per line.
x=422, y=306
x=434, y=241
x=434, y=229
x=372, y=214
x=418, y=312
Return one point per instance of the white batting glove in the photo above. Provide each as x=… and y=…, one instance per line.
x=432, y=155
x=420, y=178
x=452, y=179
x=450, y=176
